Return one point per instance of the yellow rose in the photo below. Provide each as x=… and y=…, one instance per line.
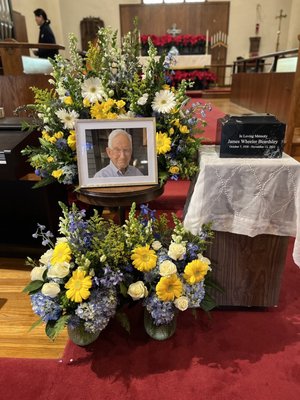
x=57, y=173
x=174, y=169
x=137, y=290
x=181, y=303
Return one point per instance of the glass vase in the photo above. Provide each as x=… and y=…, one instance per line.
x=158, y=332
x=80, y=336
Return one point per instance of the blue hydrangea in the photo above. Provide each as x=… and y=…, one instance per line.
x=46, y=307
x=195, y=293
x=100, y=308
x=162, y=312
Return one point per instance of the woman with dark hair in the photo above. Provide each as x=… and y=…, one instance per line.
x=46, y=35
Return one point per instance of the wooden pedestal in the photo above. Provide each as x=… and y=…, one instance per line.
x=248, y=268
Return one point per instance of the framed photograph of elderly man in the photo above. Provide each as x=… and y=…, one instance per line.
x=116, y=152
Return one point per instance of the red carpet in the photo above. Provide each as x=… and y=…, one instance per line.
x=239, y=354
x=209, y=133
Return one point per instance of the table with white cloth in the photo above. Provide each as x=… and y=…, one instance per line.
x=254, y=207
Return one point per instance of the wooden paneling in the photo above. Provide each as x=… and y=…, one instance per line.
x=259, y=87
x=190, y=18
x=280, y=91
x=249, y=269
x=15, y=91
x=263, y=92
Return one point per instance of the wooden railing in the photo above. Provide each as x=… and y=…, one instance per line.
x=277, y=93
x=257, y=63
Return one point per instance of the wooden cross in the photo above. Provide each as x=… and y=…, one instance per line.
x=174, y=31
x=280, y=16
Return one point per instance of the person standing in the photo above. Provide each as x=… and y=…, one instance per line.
x=46, y=34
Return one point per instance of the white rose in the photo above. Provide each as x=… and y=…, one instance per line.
x=143, y=100
x=61, y=240
x=59, y=270
x=181, y=303
x=205, y=260
x=36, y=273
x=137, y=290
x=46, y=257
x=167, y=268
x=50, y=289
x=176, y=251
x=156, y=245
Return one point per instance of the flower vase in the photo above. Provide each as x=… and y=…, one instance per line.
x=80, y=336
x=158, y=332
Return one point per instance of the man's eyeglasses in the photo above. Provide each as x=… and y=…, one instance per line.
x=118, y=151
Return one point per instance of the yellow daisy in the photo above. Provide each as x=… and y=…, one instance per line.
x=169, y=288
x=59, y=135
x=163, y=143
x=144, y=258
x=195, y=271
x=68, y=100
x=61, y=253
x=184, y=129
x=78, y=286
x=72, y=140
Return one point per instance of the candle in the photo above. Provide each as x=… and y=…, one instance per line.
x=206, y=41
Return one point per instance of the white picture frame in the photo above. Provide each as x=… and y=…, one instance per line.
x=92, y=156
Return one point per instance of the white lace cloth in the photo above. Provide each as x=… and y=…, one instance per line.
x=247, y=196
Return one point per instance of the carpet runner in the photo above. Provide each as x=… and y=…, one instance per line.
x=237, y=354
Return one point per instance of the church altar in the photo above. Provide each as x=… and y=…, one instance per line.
x=254, y=206
x=184, y=62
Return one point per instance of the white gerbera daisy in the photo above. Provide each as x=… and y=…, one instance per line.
x=92, y=90
x=67, y=118
x=163, y=101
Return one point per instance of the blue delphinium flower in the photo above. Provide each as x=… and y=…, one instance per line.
x=111, y=277
x=192, y=251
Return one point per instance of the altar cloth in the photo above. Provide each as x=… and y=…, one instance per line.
x=246, y=196
x=195, y=61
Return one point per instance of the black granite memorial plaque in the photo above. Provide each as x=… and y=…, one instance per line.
x=250, y=136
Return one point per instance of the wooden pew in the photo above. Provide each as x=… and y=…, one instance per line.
x=11, y=53
x=15, y=85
